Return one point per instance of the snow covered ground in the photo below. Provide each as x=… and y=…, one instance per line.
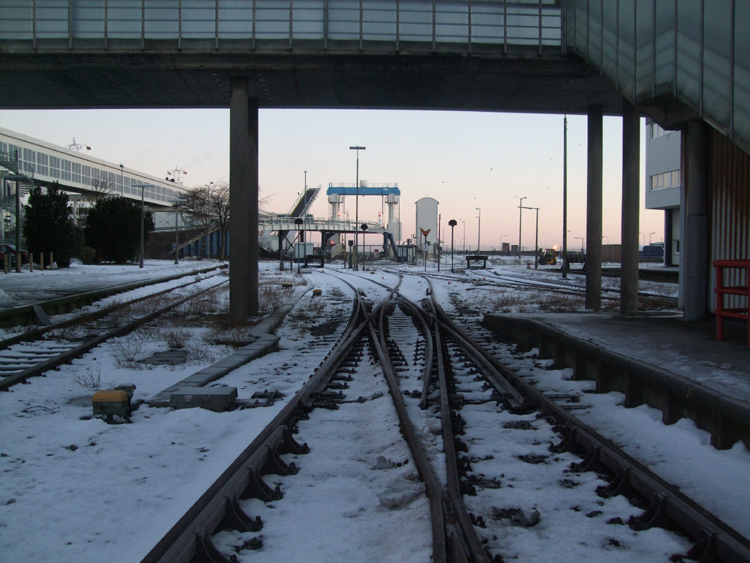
x=76, y=489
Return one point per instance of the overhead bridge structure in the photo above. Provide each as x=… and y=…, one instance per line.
x=684, y=64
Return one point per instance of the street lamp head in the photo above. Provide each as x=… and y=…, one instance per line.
x=453, y=222
x=357, y=148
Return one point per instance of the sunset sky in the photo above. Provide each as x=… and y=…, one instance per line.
x=464, y=160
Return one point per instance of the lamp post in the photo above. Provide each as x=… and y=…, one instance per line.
x=564, y=267
x=122, y=180
x=364, y=228
x=501, y=243
x=520, y=218
x=143, y=187
x=177, y=203
x=464, y=239
x=536, y=240
x=452, y=223
x=304, y=211
x=356, y=209
x=479, y=228
x=297, y=222
x=649, y=237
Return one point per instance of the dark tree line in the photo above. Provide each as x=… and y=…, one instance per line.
x=112, y=229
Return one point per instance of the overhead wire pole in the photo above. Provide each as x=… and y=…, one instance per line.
x=356, y=211
x=565, y=200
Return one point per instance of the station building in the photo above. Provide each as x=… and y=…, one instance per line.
x=26, y=162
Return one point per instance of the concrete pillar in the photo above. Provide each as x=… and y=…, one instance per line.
x=695, y=250
x=243, y=200
x=631, y=153
x=594, y=210
x=668, y=238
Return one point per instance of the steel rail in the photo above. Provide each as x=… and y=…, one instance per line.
x=713, y=539
x=434, y=490
x=418, y=317
x=79, y=351
x=217, y=507
x=25, y=313
x=473, y=543
x=85, y=318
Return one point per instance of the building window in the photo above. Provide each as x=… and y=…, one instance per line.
x=54, y=167
x=42, y=163
x=665, y=180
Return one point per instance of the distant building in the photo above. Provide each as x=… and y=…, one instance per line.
x=427, y=222
x=663, y=184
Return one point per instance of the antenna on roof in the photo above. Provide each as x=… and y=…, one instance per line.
x=77, y=146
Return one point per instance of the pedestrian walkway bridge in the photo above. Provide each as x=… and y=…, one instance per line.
x=674, y=60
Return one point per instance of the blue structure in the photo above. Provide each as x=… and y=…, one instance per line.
x=369, y=190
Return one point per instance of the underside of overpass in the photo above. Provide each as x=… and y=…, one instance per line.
x=525, y=82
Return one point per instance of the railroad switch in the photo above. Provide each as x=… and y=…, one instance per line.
x=114, y=402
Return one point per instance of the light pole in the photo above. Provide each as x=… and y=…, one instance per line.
x=536, y=241
x=304, y=213
x=143, y=187
x=565, y=200
x=520, y=218
x=356, y=210
x=501, y=243
x=649, y=238
x=122, y=180
x=177, y=203
x=297, y=222
x=452, y=223
x=479, y=228
x=464, y=239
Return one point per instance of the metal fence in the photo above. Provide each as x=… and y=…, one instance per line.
x=224, y=24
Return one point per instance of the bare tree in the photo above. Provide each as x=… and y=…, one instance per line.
x=218, y=203
x=199, y=207
x=99, y=189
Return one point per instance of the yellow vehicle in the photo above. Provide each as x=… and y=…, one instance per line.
x=547, y=256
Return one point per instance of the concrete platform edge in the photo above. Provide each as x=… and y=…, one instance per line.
x=725, y=418
x=265, y=343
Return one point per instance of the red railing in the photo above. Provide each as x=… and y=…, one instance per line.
x=741, y=290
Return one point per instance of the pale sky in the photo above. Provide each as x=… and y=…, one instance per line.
x=464, y=160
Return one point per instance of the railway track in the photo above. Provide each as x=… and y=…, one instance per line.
x=490, y=451
x=34, y=352
x=218, y=509
x=658, y=504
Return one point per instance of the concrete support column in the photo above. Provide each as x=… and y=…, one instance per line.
x=668, y=238
x=631, y=163
x=695, y=241
x=594, y=210
x=243, y=200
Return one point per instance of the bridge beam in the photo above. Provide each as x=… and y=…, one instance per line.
x=695, y=255
x=631, y=164
x=594, y=209
x=243, y=200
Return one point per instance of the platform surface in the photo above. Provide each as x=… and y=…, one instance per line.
x=668, y=343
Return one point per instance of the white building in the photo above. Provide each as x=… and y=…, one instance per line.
x=427, y=223
x=663, y=184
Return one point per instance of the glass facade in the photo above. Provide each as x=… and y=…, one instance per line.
x=45, y=166
x=698, y=52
